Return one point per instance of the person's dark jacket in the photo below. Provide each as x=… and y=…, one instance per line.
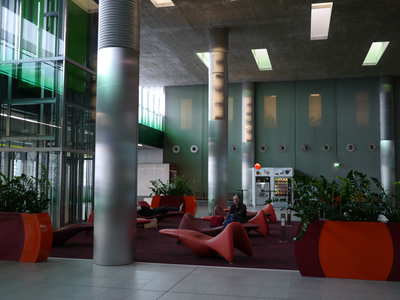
x=239, y=213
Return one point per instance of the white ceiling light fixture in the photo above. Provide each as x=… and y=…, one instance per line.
x=204, y=57
x=375, y=53
x=320, y=20
x=162, y=3
x=28, y=120
x=262, y=59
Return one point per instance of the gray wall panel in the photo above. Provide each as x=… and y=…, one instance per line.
x=349, y=115
x=273, y=134
x=184, y=127
x=354, y=95
x=315, y=134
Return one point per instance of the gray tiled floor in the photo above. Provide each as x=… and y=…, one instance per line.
x=81, y=279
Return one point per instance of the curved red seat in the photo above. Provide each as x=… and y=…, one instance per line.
x=259, y=219
x=198, y=224
x=61, y=236
x=233, y=236
x=270, y=211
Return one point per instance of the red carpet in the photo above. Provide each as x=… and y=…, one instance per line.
x=269, y=252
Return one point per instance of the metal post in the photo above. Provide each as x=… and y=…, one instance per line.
x=247, y=140
x=387, y=133
x=217, y=118
x=116, y=132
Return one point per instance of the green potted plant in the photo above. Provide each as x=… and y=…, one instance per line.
x=173, y=193
x=25, y=226
x=349, y=228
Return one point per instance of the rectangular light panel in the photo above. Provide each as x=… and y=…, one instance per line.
x=204, y=57
x=320, y=20
x=162, y=3
x=262, y=59
x=375, y=53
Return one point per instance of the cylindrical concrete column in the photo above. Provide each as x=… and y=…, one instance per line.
x=116, y=132
x=217, y=118
x=247, y=139
x=387, y=133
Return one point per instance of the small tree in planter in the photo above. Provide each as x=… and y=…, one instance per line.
x=173, y=193
x=25, y=229
x=341, y=235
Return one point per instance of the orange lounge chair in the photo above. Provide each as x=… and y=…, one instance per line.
x=62, y=235
x=268, y=210
x=233, y=236
x=204, y=226
x=259, y=219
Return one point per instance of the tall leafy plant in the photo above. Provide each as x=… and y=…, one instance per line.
x=179, y=186
x=24, y=194
x=355, y=197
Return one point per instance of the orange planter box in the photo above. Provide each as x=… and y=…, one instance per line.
x=25, y=237
x=358, y=250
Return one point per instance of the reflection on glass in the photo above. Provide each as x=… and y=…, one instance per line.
x=152, y=107
x=186, y=114
x=362, y=109
x=314, y=110
x=30, y=29
x=231, y=109
x=270, y=112
x=33, y=80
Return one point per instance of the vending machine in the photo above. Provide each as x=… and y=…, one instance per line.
x=272, y=184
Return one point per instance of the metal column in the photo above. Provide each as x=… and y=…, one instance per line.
x=217, y=118
x=247, y=139
x=387, y=133
x=116, y=132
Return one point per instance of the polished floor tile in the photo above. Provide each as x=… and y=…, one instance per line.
x=62, y=279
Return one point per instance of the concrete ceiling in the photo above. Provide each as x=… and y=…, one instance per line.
x=170, y=38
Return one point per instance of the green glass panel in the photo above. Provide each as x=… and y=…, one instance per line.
x=30, y=29
x=78, y=34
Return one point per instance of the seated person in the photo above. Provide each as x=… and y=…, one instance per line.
x=146, y=211
x=237, y=212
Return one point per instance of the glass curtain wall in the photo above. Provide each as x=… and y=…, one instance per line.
x=47, y=100
x=152, y=107
x=48, y=52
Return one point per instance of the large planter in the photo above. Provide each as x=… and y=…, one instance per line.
x=189, y=202
x=25, y=237
x=358, y=250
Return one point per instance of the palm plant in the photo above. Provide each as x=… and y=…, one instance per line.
x=24, y=194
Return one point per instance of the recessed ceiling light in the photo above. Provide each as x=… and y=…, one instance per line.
x=204, y=57
x=162, y=3
x=375, y=53
x=320, y=20
x=140, y=145
x=262, y=59
x=90, y=6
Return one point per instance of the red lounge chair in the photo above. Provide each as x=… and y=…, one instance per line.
x=62, y=235
x=268, y=210
x=233, y=236
x=204, y=226
x=159, y=217
x=200, y=225
x=259, y=220
x=218, y=212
